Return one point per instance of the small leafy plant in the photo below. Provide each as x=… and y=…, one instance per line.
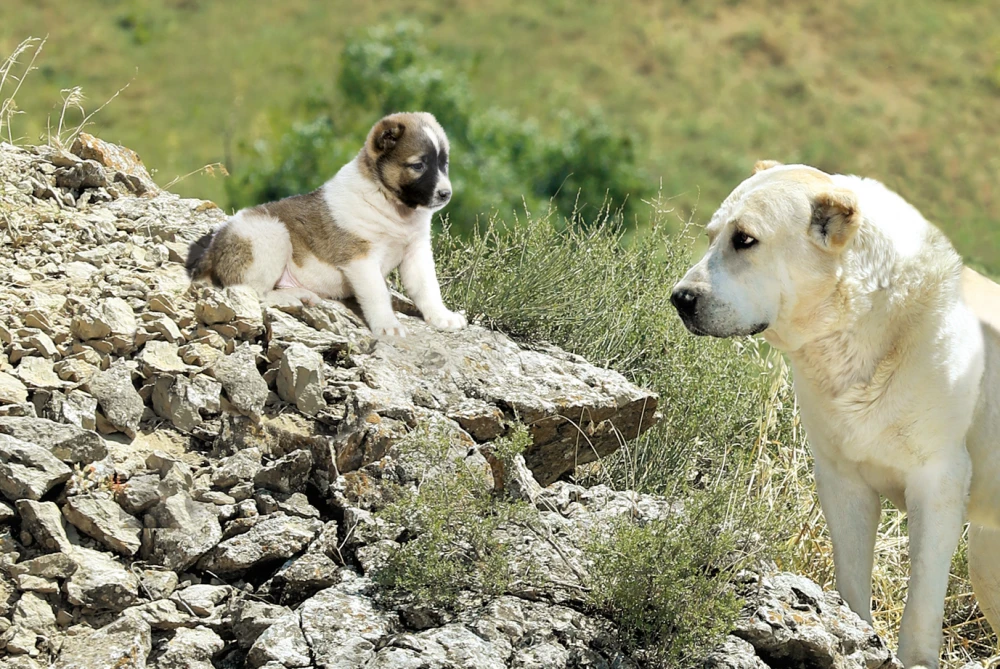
x=451, y=522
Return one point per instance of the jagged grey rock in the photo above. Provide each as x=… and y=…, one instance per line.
x=300, y=379
x=272, y=538
x=242, y=383
x=32, y=626
x=239, y=467
x=120, y=403
x=100, y=582
x=160, y=357
x=45, y=524
x=38, y=372
x=191, y=649
x=202, y=599
x=69, y=443
x=282, y=644
x=158, y=583
x=286, y=474
x=170, y=401
x=28, y=471
x=295, y=504
x=303, y=576
x=12, y=390
x=54, y=566
x=139, y=493
x=795, y=622
x=186, y=531
x=75, y=408
x=251, y=617
x=99, y=516
x=122, y=644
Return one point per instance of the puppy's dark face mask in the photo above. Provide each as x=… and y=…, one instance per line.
x=411, y=161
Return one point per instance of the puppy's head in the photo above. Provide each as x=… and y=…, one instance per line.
x=407, y=155
x=773, y=261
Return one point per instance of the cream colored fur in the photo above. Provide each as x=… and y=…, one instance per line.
x=896, y=372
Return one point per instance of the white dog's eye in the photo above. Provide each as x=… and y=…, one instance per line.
x=742, y=240
x=417, y=167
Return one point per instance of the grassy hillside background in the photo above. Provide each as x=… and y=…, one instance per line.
x=637, y=97
x=903, y=90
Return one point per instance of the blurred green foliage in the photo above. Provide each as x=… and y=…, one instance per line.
x=499, y=162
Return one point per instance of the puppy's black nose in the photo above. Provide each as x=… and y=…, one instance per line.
x=444, y=194
x=684, y=300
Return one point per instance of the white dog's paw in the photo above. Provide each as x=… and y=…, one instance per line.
x=393, y=329
x=447, y=320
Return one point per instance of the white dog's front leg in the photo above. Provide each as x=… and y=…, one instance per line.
x=852, y=509
x=936, y=499
x=371, y=292
x=421, y=284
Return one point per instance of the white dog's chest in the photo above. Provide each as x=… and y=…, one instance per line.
x=880, y=434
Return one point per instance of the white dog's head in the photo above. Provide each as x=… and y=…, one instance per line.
x=773, y=261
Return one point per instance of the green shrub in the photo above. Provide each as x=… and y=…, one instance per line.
x=666, y=583
x=450, y=522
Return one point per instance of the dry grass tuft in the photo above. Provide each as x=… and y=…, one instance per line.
x=14, y=71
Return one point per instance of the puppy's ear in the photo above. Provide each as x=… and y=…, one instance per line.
x=385, y=135
x=762, y=165
x=835, y=218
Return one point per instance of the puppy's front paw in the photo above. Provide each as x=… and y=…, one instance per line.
x=447, y=320
x=393, y=329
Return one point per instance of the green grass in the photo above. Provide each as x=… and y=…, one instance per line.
x=901, y=90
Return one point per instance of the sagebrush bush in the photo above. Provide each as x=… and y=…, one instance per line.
x=666, y=583
x=451, y=523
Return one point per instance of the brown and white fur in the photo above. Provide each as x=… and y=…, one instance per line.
x=895, y=353
x=344, y=238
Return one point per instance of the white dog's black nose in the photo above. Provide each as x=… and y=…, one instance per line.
x=444, y=194
x=684, y=300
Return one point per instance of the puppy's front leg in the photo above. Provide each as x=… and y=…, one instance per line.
x=936, y=499
x=852, y=509
x=421, y=284
x=371, y=292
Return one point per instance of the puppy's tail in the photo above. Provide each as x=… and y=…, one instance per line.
x=199, y=260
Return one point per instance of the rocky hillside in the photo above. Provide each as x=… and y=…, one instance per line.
x=195, y=481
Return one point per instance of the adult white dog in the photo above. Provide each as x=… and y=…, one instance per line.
x=897, y=373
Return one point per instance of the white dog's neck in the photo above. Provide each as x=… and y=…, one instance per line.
x=884, y=295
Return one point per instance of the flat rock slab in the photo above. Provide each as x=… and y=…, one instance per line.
x=69, y=443
x=576, y=412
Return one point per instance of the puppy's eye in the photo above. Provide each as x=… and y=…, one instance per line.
x=742, y=240
x=418, y=167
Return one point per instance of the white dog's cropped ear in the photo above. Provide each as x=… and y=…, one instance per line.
x=762, y=165
x=835, y=218
x=385, y=135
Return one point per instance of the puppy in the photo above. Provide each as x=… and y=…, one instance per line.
x=344, y=238
x=895, y=353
